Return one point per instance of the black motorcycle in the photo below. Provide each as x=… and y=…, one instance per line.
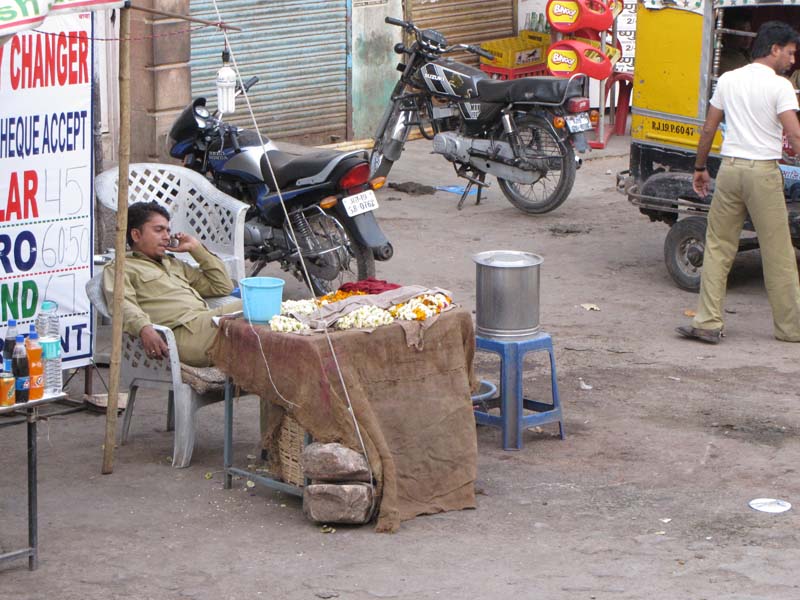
x=521, y=131
x=328, y=196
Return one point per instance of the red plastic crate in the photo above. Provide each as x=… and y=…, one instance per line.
x=516, y=73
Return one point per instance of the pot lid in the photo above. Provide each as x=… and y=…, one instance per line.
x=507, y=259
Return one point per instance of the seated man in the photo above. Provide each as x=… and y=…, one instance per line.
x=162, y=289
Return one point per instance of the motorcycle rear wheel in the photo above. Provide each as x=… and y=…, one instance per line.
x=357, y=264
x=555, y=184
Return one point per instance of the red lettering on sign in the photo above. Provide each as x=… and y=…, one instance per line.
x=21, y=205
x=43, y=60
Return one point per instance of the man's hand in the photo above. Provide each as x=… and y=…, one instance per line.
x=154, y=344
x=186, y=243
x=700, y=183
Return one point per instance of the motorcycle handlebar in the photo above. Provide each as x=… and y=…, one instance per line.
x=481, y=52
x=398, y=22
x=234, y=138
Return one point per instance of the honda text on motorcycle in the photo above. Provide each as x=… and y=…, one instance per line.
x=328, y=196
x=524, y=132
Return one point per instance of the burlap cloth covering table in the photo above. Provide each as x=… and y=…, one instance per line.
x=412, y=404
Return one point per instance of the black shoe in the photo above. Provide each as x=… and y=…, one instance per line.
x=709, y=336
x=264, y=454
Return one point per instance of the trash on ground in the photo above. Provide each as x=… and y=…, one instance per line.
x=770, y=505
x=583, y=385
x=661, y=533
x=569, y=229
x=327, y=529
x=413, y=188
x=208, y=475
x=589, y=306
x=689, y=313
x=456, y=189
x=250, y=483
x=730, y=311
x=673, y=378
x=667, y=520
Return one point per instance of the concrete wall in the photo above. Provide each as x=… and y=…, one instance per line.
x=160, y=81
x=373, y=62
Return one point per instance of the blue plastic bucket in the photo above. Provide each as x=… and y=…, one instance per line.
x=261, y=298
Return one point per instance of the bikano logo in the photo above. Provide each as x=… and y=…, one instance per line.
x=559, y=10
x=557, y=58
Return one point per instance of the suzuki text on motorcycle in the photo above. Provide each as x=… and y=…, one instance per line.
x=328, y=196
x=524, y=132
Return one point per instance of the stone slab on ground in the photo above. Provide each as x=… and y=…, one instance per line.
x=338, y=503
x=333, y=462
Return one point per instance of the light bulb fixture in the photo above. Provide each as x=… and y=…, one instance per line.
x=226, y=86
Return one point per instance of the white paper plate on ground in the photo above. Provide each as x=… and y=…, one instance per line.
x=770, y=505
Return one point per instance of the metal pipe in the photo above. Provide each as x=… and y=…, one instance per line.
x=163, y=13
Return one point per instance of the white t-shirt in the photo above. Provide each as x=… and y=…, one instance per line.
x=752, y=97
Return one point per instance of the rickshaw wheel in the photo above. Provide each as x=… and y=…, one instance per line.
x=683, y=252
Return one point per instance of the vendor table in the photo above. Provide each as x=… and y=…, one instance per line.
x=32, y=412
x=409, y=388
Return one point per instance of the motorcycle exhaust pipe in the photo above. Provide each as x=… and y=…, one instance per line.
x=384, y=252
x=578, y=162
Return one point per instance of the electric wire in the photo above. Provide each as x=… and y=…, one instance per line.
x=356, y=426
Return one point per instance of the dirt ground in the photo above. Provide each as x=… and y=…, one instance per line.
x=646, y=497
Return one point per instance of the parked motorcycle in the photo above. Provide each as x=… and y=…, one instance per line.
x=524, y=132
x=328, y=195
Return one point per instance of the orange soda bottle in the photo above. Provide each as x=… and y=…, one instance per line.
x=35, y=366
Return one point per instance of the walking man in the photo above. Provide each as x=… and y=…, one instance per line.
x=758, y=106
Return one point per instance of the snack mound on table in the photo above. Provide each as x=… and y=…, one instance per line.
x=365, y=315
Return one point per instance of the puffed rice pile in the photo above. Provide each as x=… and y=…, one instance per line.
x=286, y=324
x=365, y=317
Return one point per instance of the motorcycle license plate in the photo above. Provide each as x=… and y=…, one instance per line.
x=578, y=123
x=360, y=203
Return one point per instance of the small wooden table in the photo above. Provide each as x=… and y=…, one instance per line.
x=32, y=411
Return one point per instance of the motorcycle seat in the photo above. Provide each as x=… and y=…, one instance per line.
x=547, y=90
x=288, y=168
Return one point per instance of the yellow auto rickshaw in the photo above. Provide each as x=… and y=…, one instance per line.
x=682, y=47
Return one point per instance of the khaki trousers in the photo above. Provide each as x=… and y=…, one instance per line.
x=195, y=338
x=754, y=187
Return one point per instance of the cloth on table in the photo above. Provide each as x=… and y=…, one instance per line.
x=413, y=406
x=370, y=285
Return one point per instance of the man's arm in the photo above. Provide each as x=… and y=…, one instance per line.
x=791, y=127
x=702, y=179
x=134, y=320
x=211, y=279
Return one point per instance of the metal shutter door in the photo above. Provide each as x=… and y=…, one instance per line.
x=297, y=48
x=465, y=21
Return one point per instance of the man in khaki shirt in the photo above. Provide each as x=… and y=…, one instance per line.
x=162, y=289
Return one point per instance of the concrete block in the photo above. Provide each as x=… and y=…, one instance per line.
x=338, y=503
x=172, y=85
x=333, y=462
x=171, y=44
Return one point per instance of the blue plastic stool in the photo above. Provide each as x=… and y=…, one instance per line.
x=511, y=419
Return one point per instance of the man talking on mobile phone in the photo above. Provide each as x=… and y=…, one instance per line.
x=162, y=289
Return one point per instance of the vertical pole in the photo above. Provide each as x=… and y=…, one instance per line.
x=227, y=452
x=33, y=508
x=119, y=245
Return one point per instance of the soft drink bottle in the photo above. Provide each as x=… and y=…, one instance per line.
x=8, y=344
x=35, y=366
x=19, y=366
x=7, y=394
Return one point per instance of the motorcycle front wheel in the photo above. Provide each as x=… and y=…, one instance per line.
x=540, y=144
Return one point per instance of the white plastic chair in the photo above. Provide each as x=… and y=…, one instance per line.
x=195, y=205
x=218, y=221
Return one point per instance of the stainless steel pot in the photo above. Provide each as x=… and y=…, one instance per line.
x=507, y=294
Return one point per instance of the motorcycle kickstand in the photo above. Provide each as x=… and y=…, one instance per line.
x=480, y=181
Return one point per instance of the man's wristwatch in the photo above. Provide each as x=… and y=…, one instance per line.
x=699, y=169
